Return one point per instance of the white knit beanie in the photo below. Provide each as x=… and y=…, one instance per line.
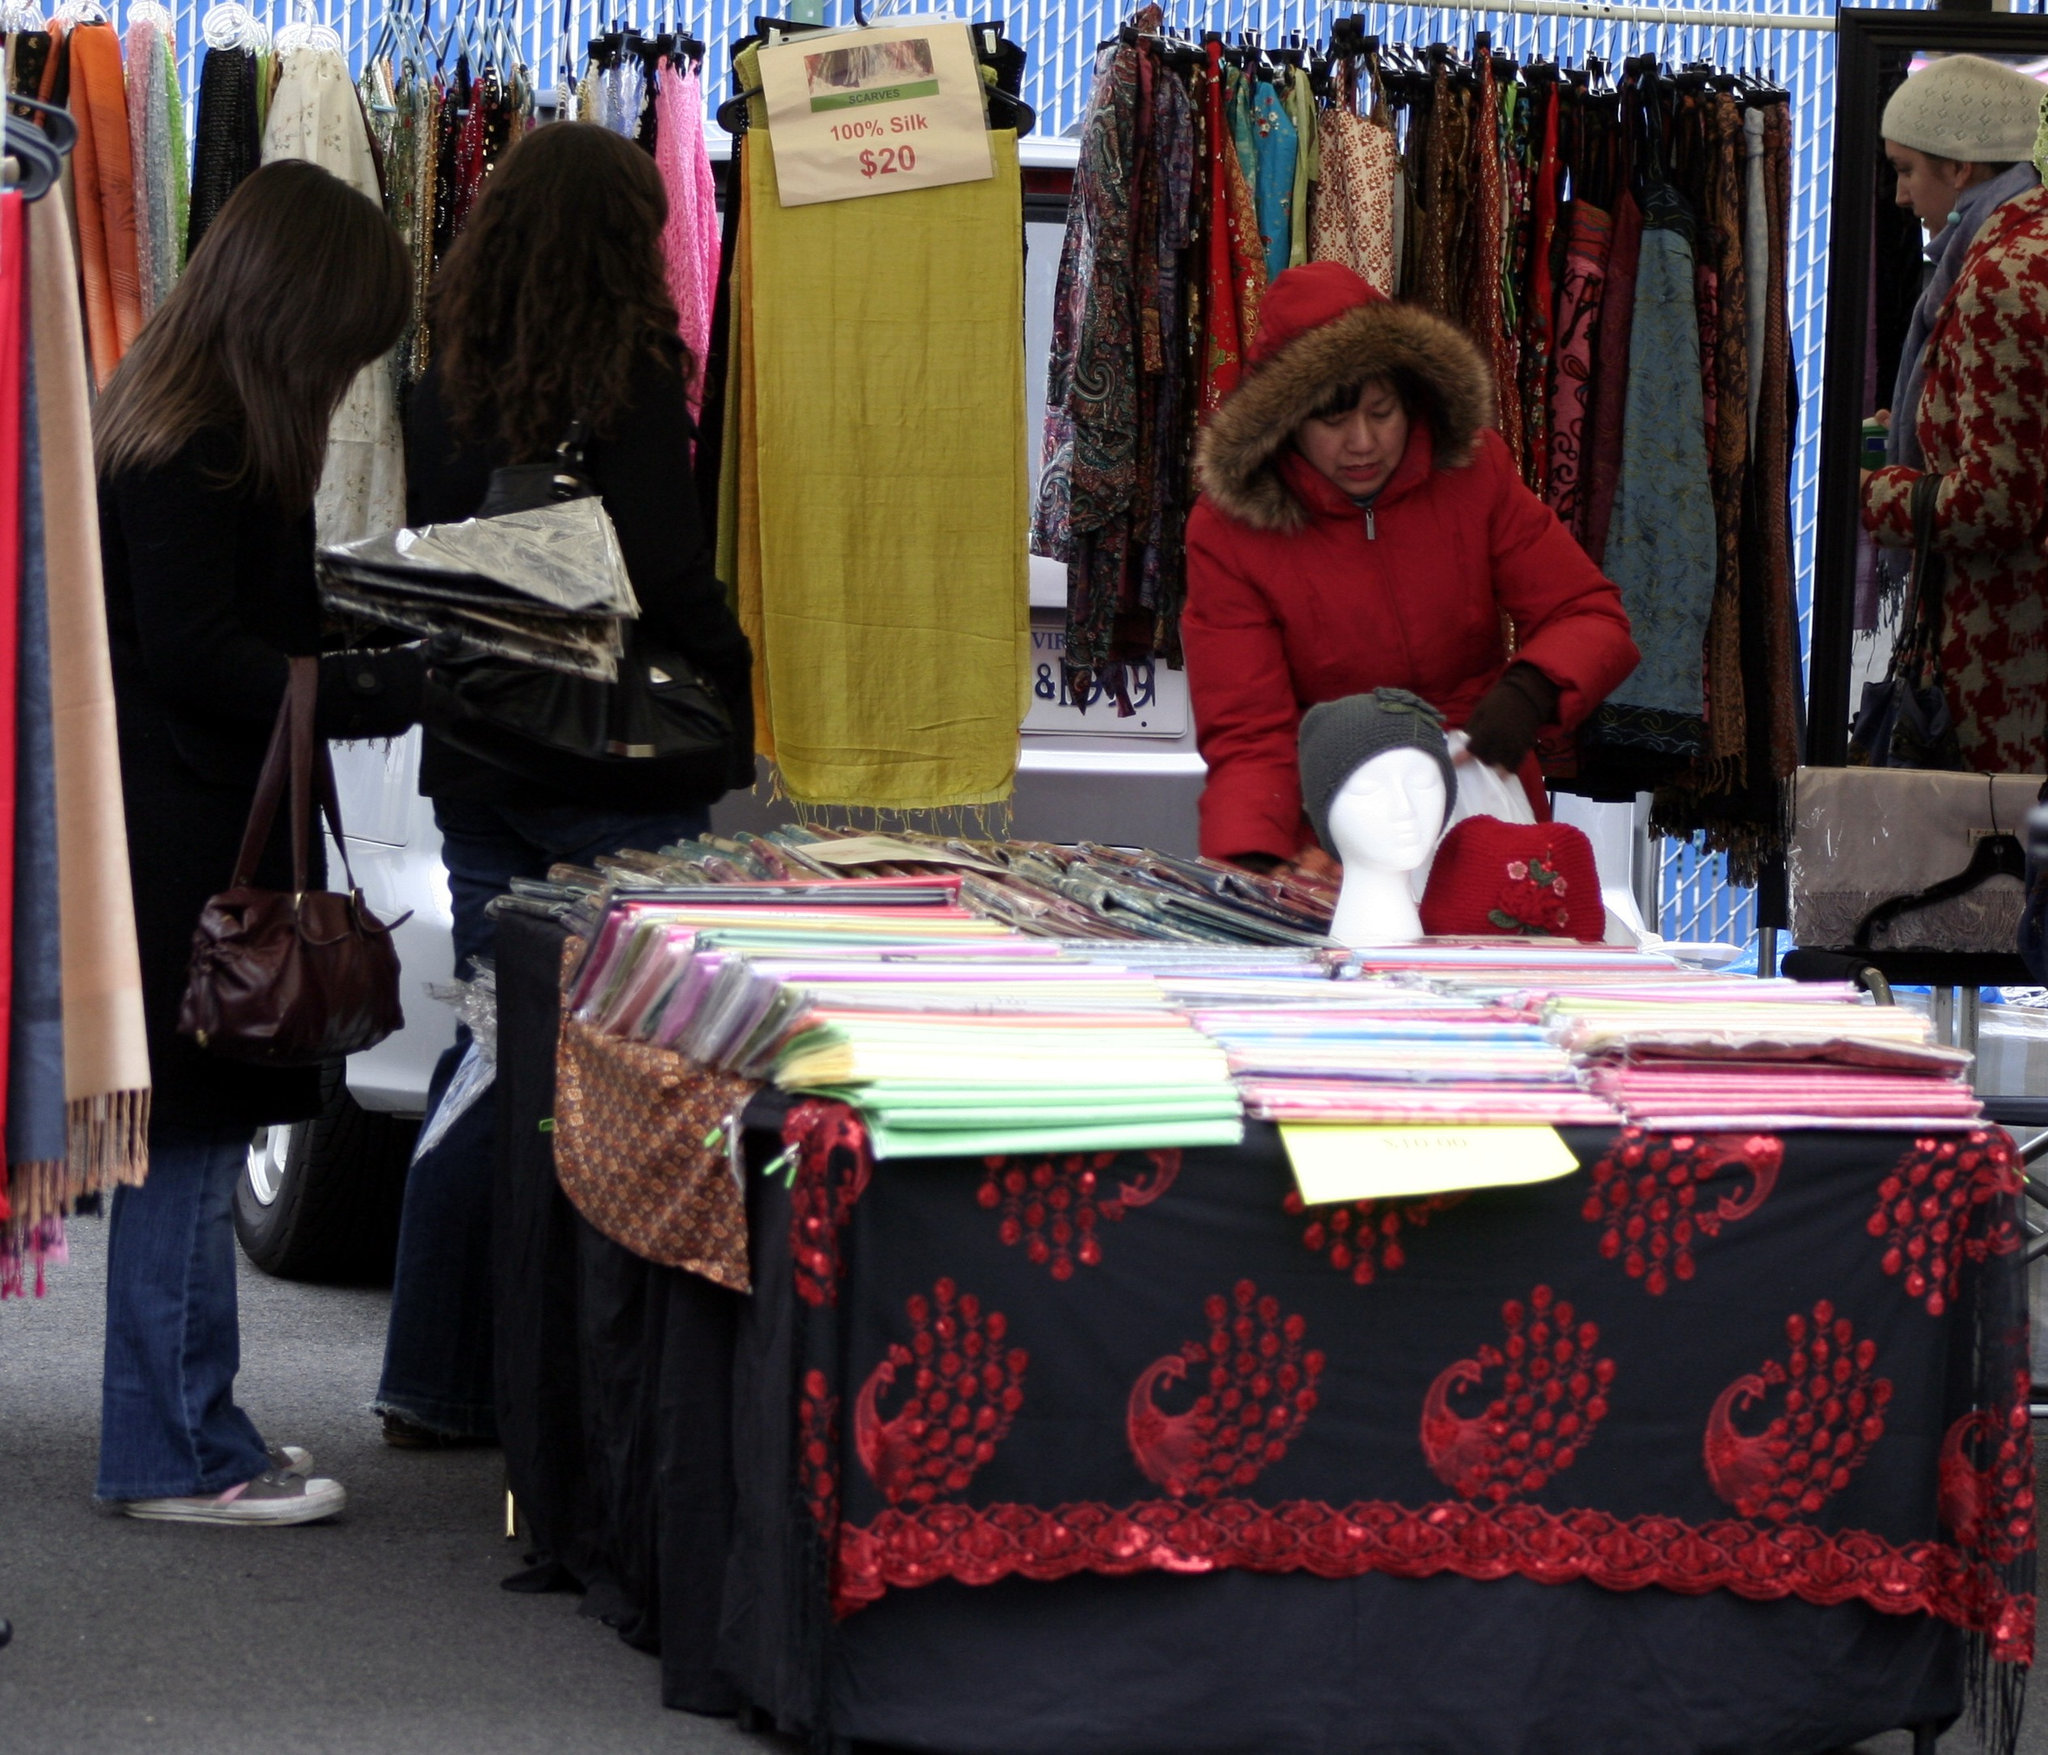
x=1965, y=107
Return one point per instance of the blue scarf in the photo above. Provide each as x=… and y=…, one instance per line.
x=1946, y=252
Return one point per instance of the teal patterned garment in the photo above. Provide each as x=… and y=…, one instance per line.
x=1660, y=546
x=1277, y=145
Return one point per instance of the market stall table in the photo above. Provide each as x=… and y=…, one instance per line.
x=1682, y=1452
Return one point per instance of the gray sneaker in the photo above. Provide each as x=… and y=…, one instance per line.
x=291, y=1461
x=271, y=1498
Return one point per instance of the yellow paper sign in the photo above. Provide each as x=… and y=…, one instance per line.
x=1338, y=1163
x=872, y=112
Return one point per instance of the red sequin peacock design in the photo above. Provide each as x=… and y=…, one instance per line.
x=1363, y=1237
x=817, y=1449
x=1646, y=1197
x=964, y=1389
x=1260, y=1387
x=1553, y=1393
x=1985, y=1480
x=1055, y=1208
x=1932, y=1212
x=832, y=1172
x=1830, y=1413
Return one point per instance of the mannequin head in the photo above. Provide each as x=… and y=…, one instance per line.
x=1389, y=813
x=1338, y=738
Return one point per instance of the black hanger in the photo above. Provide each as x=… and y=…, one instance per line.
x=1997, y=855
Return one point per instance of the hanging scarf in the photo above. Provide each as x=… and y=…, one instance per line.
x=1277, y=147
x=1483, y=316
x=1163, y=512
x=1578, y=316
x=228, y=140
x=1354, y=202
x=1602, y=464
x=1727, y=435
x=106, y=1054
x=104, y=180
x=37, y=1125
x=1308, y=155
x=142, y=62
x=317, y=116
x=28, y=57
x=1225, y=337
x=1541, y=309
x=689, y=241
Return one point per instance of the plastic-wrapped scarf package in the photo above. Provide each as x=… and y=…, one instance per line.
x=316, y=115
x=547, y=586
x=883, y=361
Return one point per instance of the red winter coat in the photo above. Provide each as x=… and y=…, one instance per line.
x=1296, y=595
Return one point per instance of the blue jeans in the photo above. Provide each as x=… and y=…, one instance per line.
x=437, y=1351
x=169, y=1426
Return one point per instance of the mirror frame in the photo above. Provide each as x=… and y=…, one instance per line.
x=1862, y=34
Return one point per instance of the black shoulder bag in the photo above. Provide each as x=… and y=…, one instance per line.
x=658, y=737
x=1905, y=720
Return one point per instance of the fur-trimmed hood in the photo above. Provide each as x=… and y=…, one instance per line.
x=1446, y=381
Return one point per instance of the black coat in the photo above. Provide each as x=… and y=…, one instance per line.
x=208, y=590
x=642, y=469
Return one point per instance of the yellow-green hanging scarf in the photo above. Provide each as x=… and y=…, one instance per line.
x=884, y=346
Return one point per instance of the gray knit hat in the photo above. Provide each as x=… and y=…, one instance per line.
x=1339, y=737
x=1965, y=107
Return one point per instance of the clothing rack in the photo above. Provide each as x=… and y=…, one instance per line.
x=1684, y=17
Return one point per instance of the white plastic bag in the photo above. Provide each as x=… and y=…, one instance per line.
x=1483, y=791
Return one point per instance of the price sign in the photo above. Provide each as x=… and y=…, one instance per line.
x=1340, y=1163
x=871, y=112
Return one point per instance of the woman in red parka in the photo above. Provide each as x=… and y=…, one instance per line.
x=1362, y=526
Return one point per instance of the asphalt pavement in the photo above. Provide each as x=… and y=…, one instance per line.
x=382, y=1634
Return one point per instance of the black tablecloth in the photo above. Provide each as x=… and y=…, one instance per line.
x=1262, y=1612
x=614, y=1376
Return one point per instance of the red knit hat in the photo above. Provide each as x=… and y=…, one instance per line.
x=1493, y=879
x=1305, y=298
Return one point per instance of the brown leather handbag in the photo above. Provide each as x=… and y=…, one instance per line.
x=291, y=978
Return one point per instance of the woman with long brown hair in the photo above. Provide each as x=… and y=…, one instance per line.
x=551, y=314
x=208, y=445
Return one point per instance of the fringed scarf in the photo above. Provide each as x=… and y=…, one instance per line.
x=106, y=1057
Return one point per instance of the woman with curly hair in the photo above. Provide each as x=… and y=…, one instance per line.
x=551, y=313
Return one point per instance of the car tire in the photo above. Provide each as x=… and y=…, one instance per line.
x=319, y=1199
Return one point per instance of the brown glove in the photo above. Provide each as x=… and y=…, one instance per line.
x=1503, y=727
